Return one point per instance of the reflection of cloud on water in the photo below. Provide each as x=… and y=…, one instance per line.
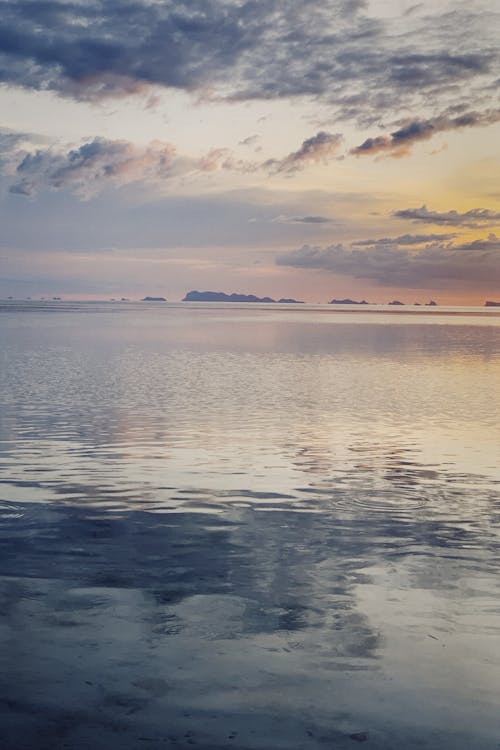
x=194, y=604
x=108, y=589
x=253, y=565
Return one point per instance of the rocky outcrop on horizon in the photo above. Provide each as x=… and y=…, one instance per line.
x=347, y=301
x=195, y=296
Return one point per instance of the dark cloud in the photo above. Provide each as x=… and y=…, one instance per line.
x=410, y=68
x=245, y=49
x=438, y=265
x=399, y=142
x=476, y=217
x=406, y=239
x=319, y=148
x=108, y=47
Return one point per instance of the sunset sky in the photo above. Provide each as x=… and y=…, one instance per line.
x=334, y=148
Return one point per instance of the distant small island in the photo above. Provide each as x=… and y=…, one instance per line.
x=153, y=299
x=395, y=302
x=490, y=303
x=195, y=296
x=347, y=301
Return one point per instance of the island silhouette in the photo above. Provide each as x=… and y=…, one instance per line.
x=347, y=301
x=195, y=296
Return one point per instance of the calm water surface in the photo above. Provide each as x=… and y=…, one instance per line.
x=249, y=527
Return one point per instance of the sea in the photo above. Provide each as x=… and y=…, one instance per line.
x=248, y=526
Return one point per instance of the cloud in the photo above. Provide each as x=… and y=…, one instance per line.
x=12, y=145
x=319, y=148
x=251, y=140
x=437, y=265
x=302, y=219
x=89, y=168
x=102, y=163
x=406, y=239
x=476, y=217
x=245, y=49
x=9, y=141
x=399, y=142
x=214, y=159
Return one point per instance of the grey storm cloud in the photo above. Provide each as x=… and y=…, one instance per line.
x=245, y=49
x=475, y=263
x=476, y=217
x=399, y=142
x=319, y=148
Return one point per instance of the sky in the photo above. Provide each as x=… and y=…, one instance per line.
x=316, y=150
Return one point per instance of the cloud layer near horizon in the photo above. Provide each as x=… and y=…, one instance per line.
x=438, y=264
x=476, y=217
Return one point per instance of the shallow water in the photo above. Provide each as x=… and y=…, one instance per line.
x=249, y=527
